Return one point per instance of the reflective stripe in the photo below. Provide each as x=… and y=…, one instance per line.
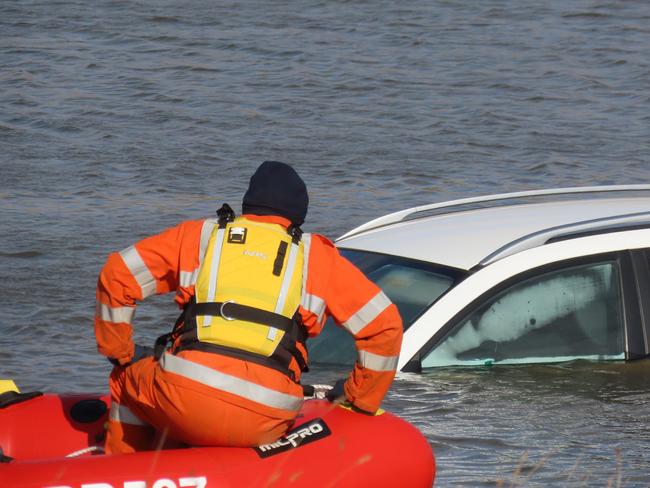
x=188, y=278
x=306, y=242
x=120, y=413
x=311, y=303
x=228, y=383
x=314, y=304
x=284, y=288
x=212, y=285
x=115, y=314
x=139, y=270
x=206, y=232
x=288, y=275
x=367, y=313
x=377, y=362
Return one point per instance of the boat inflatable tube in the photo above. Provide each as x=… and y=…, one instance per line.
x=55, y=441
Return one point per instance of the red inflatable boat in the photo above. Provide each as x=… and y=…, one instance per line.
x=52, y=441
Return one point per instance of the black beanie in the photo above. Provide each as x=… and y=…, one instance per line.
x=276, y=189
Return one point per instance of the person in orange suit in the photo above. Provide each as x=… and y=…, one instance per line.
x=252, y=289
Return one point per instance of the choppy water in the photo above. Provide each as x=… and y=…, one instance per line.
x=120, y=118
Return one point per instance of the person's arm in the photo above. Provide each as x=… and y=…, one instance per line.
x=151, y=266
x=360, y=307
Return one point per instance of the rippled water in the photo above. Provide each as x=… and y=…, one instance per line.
x=120, y=118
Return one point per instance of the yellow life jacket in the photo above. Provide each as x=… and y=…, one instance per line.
x=247, y=293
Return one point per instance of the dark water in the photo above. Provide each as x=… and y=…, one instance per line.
x=120, y=118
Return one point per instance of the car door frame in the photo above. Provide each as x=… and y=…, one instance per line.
x=627, y=247
x=639, y=337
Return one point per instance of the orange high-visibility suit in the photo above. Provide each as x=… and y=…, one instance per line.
x=205, y=398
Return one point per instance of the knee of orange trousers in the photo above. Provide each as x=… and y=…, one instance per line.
x=129, y=387
x=116, y=382
x=126, y=438
x=132, y=383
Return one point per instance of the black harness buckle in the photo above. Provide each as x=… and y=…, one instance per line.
x=226, y=214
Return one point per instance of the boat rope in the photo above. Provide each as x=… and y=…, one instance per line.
x=80, y=452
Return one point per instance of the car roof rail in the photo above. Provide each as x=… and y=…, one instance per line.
x=461, y=204
x=574, y=230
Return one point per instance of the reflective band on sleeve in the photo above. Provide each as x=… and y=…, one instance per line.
x=314, y=304
x=367, y=313
x=214, y=267
x=139, y=270
x=377, y=362
x=115, y=314
x=228, y=383
x=120, y=413
x=188, y=278
x=309, y=302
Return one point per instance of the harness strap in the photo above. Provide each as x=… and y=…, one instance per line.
x=163, y=340
x=294, y=352
x=280, y=360
x=237, y=311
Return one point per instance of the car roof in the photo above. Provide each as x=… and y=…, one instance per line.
x=477, y=231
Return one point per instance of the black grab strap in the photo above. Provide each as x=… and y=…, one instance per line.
x=279, y=258
x=237, y=311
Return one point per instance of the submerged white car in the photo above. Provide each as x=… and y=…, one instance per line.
x=528, y=277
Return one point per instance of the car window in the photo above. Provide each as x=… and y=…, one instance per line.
x=411, y=285
x=556, y=316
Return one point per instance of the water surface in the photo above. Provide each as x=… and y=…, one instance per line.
x=119, y=119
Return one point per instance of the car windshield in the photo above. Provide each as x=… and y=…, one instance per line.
x=413, y=286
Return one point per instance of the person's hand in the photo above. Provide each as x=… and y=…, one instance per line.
x=316, y=391
x=337, y=393
x=141, y=352
x=337, y=396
